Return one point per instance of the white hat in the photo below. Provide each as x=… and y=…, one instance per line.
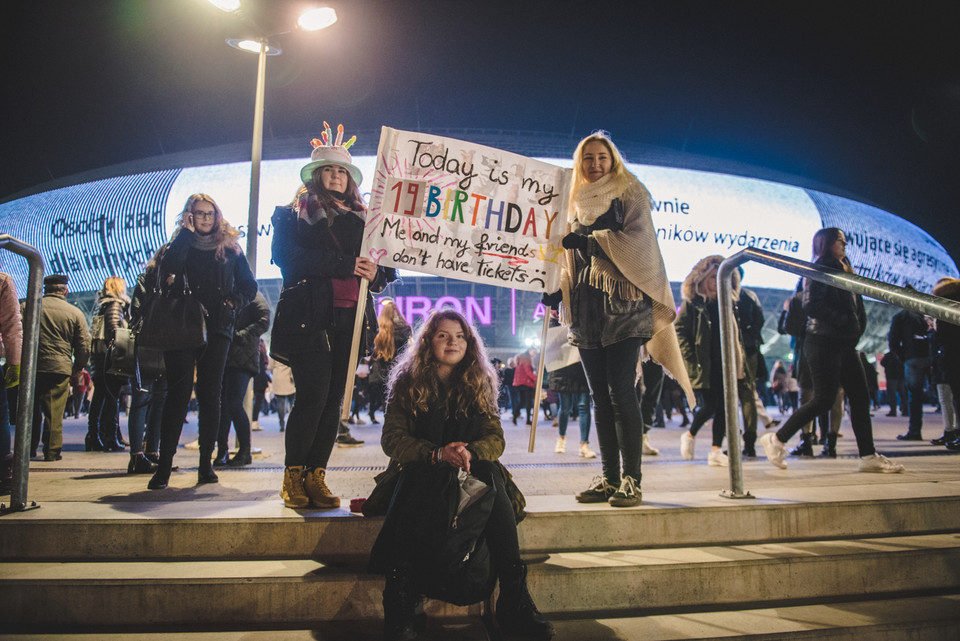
x=330, y=152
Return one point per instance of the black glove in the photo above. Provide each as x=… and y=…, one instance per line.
x=552, y=300
x=573, y=240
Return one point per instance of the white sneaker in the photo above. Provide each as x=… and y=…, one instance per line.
x=192, y=445
x=717, y=458
x=879, y=463
x=561, y=447
x=586, y=452
x=686, y=446
x=774, y=450
x=255, y=426
x=648, y=449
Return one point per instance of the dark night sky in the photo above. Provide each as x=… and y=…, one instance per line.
x=861, y=95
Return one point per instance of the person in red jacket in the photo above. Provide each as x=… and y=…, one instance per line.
x=524, y=381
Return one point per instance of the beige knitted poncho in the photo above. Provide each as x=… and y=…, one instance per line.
x=637, y=259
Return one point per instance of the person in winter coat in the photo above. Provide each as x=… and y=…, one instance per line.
x=11, y=338
x=392, y=337
x=524, y=384
x=909, y=340
x=284, y=389
x=570, y=384
x=316, y=245
x=243, y=362
x=442, y=419
x=616, y=300
x=698, y=330
x=835, y=321
x=204, y=255
x=63, y=348
x=103, y=421
x=948, y=339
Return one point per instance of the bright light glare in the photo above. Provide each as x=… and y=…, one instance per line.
x=316, y=19
x=226, y=5
x=249, y=45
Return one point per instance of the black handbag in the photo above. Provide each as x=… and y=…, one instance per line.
x=122, y=354
x=173, y=322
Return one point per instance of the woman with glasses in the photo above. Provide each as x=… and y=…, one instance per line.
x=204, y=255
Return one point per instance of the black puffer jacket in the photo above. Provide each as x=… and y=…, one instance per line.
x=832, y=312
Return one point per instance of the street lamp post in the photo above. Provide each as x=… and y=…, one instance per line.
x=253, y=214
x=311, y=20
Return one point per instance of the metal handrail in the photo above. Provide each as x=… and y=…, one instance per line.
x=939, y=308
x=28, y=369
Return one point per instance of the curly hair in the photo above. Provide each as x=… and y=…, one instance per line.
x=473, y=383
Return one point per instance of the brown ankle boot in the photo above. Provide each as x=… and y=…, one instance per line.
x=315, y=485
x=292, y=490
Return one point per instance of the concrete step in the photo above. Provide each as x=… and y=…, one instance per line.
x=303, y=593
x=927, y=618
x=221, y=529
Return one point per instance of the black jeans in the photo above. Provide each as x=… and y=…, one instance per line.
x=104, y=416
x=612, y=374
x=710, y=405
x=209, y=361
x=235, y=382
x=320, y=379
x=834, y=365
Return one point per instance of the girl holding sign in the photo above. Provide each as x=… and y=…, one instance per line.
x=316, y=244
x=618, y=304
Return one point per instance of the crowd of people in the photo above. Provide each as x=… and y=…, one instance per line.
x=631, y=359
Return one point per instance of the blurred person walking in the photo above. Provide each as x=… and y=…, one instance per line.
x=835, y=321
x=63, y=348
x=392, y=338
x=909, y=340
x=698, y=330
x=103, y=421
x=11, y=339
x=284, y=389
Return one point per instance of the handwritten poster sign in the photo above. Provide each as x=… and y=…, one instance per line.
x=461, y=210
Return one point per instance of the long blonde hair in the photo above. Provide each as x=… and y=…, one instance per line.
x=622, y=178
x=224, y=233
x=384, y=345
x=415, y=387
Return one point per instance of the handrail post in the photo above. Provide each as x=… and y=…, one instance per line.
x=28, y=369
x=728, y=351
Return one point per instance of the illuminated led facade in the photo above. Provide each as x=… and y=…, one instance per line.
x=112, y=225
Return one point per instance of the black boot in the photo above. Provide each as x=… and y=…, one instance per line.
x=830, y=447
x=242, y=457
x=399, y=607
x=205, y=473
x=162, y=476
x=140, y=464
x=92, y=442
x=945, y=438
x=222, y=458
x=517, y=616
x=109, y=439
x=805, y=448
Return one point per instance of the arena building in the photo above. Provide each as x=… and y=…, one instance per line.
x=109, y=222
